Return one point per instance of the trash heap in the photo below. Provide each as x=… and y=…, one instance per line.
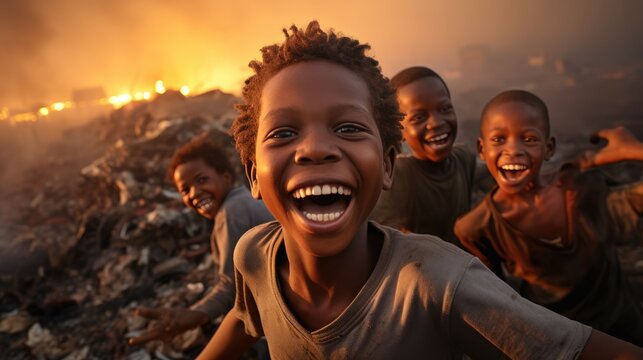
x=112, y=236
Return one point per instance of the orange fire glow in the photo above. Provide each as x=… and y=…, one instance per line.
x=116, y=101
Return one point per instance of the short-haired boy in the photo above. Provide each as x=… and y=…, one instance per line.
x=433, y=184
x=556, y=235
x=205, y=179
x=318, y=134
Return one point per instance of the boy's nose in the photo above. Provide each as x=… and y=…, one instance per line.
x=316, y=149
x=434, y=121
x=514, y=147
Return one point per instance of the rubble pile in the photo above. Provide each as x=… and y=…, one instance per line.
x=110, y=236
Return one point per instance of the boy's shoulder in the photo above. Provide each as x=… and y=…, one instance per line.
x=239, y=202
x=255, y=242
x=434, y=257
x=469, y=226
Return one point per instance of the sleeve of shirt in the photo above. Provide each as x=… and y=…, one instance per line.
x=467, y=230
x=393, y=205
x=227, y=231
x=245, y=305
x=488, y=319
x=625, y=206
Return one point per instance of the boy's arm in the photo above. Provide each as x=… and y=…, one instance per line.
x=171, y=322
x=467, y=229
x=230, y=340
x=228, y=228
x=602, y=346
x=621, y=145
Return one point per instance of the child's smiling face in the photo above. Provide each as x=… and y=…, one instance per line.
x=514, y=143
x=430, y=124
x=202, y=187
x=320, y=165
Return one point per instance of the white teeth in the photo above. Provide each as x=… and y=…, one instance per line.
x=316, y=190
x=204, y=204
x=438, y=138
x=513, y=167
x=323, y=217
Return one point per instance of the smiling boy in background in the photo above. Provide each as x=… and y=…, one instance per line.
x=556, y=235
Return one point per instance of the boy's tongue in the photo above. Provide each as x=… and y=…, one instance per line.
x=512, y=175
x=324, y=204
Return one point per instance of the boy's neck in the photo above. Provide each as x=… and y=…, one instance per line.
x=540, y=212
x=322, y=279
x=527, y=195
x=436, y=168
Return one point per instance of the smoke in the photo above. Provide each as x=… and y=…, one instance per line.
x=24, y=34
x=50, y=48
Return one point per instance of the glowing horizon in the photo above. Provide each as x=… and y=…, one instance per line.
x=54, y=48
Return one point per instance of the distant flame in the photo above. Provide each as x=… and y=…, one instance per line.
x=116, y=101
x=159, y=87
x=120, y=100
x=58, y=106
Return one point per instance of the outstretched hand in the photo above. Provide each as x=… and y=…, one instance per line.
x=621, y=145
x=170, y=323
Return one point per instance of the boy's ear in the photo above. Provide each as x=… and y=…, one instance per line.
x=551, y=148
x=480, y=149
x=389, y=166
x=251, y=174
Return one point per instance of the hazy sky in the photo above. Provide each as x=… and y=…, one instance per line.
x=51, y=47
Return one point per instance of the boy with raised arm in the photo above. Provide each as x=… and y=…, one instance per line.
x=556, y=235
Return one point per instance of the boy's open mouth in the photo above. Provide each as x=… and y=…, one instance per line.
x=438, y=141
x=322, y=203
x=204, y=205
x=513, y=172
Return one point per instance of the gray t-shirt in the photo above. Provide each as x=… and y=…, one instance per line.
x=424, y=202
x=239, y=212
x=424, y=298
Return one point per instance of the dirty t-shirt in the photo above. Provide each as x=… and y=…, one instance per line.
x=239, y=212
x=424, y=202
x=579, y=275
x=424, y=298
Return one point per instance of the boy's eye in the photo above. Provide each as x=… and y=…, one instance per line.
x=349, y=129
x=417, y=118
x=446, y=108
x=281, y=134
x=531, y=139
x=202, y=179
x=497, y=139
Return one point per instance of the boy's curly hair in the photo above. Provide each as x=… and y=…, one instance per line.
x=205, y=149
x=309, y=45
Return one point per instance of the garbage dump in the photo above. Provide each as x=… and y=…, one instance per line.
x=86, y=247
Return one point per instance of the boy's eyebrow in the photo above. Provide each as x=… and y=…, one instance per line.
x=533, y=128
